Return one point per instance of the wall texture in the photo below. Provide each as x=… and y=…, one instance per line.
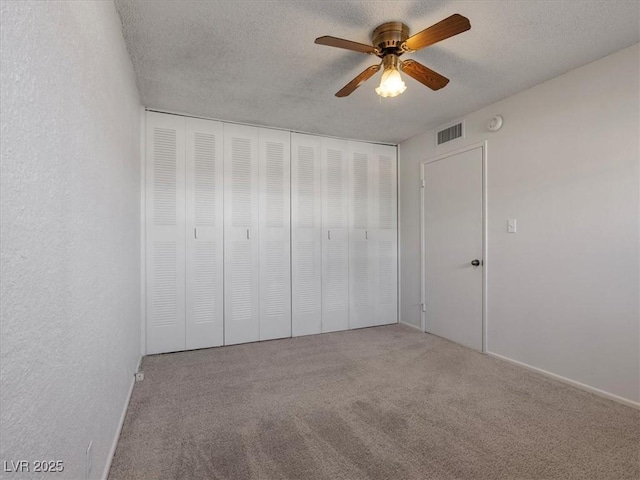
x=70, y=315
x=563, y=292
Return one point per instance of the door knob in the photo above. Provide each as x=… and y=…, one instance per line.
x=475, y=262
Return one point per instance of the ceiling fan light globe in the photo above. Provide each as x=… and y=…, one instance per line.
x=391, y=84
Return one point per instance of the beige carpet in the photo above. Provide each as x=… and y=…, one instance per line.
x=379, y=403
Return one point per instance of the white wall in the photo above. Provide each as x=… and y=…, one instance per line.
x=70, y=331
x=563, y=293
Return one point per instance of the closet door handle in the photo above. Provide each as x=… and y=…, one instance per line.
x=195, y=233
x=248, y=234
x=329, y=234
x=366, y=234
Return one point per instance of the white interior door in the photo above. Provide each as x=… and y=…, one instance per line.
x=335, y=235
x=165, y=231
x=204, y=234
x=452, y=241
x=306, y=233
x=386, y=234
x=241, y=243
x=361, y=236
x=275, y=234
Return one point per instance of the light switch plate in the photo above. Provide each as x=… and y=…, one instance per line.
x=511, y=225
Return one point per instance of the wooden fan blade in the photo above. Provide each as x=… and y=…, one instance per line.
x=424, y=75
x=359, y=80
x=346, y=44
x=448, y=27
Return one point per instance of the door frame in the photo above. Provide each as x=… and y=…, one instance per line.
x=423, y=320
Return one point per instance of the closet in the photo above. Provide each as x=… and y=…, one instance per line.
x=184, y=247
x=306, y=233
x=335, y=234
x=255, y=234
x=320, y=234
x=241, y=235
x=373, y=235
x=362, y=269
x=385, y=235
x=344, y=234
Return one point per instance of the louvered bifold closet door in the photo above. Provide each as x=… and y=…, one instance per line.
x=335, y=235
x=386, y=236
x=165, y=233
x=241, y=231
x=362, y=245
x=275, y=234
x=306, y=233
x=204, y=234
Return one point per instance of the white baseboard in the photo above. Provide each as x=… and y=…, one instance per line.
x=568, y=381
x=114, y=444
x=411, y=325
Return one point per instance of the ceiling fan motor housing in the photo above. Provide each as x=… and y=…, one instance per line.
x=389, y=37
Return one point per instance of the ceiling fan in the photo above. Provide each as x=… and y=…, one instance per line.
x=390, y=41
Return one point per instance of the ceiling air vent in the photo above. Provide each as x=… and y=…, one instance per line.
x=450, y=133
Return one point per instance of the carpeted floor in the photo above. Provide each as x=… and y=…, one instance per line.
x=378, y=403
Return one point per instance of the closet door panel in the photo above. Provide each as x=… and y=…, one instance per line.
x=204, y=234
x=386, y=236
x=362, y=246
x=165, y=233
x=241, y=231
x=275, y=234
x=306, y=232
x=335, y=235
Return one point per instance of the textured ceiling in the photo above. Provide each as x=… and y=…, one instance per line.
x=255, y=61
